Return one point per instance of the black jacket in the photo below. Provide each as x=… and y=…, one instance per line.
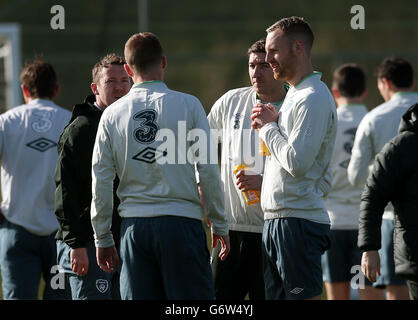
x=394, y=178
x=73, y=193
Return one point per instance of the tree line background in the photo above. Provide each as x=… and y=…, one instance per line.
x=206, y=41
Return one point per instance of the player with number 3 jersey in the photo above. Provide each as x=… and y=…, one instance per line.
x=146, y=138
x=28, y=139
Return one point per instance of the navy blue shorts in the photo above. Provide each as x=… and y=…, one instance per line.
x=24, y=257
x=96, y=284
x=342, y=261
x=165, y=258
x=292, y=251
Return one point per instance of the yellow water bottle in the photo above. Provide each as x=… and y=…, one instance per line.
x=250, y=196
x=262, y=148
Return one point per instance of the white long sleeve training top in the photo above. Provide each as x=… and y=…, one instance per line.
x=148, y=137
x=28, y=148
x=343, y=200
x=231, y=115
x=301, y=145
x=376, y=129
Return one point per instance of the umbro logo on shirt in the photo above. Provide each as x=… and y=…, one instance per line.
x=41, y=144
x=149, y=155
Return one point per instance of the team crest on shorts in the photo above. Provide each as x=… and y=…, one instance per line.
x=102, y=285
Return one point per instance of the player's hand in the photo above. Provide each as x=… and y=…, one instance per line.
x=255, y=112
x=370, y=264
x=262, y=114
x=248, y=182
x=226, y=246
x=107, y=258
x=79, y=261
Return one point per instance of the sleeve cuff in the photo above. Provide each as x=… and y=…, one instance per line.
x=76, y=244
x=105, y=242
x=220, y=230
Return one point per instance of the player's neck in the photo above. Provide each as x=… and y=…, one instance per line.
x=343, y=101
x=29, y=99
x=157, y=75
x=395, y=90
x=304, y=70
x=101, y=104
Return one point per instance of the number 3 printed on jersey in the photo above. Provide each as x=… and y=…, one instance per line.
x=351, y=133
x=148, y=128
x=348, y=145
x=43, y=122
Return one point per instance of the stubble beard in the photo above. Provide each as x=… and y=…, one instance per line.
x=285, y=73
x=282, y=75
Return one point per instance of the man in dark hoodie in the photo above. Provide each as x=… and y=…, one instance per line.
x=75, y=242
x=394, y=178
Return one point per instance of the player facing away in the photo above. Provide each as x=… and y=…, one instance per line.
x=395, y=83
x=242, y=272
x=28, y=138
x=343, y=200
x=75, y=241
x=163, y=244
x=301, y=141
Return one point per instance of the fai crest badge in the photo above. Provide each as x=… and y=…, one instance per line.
x=102, y=285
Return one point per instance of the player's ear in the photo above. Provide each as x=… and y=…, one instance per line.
x=128, y=70
x=55, y=93
x=163, y=62
x=298, y=46
x=25, y=91
x=93, y=87
x=364, y=94
x=335, y=92
x=387, y=84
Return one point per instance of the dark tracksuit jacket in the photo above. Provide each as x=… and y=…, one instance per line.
x=73, y=178
x=395, y=178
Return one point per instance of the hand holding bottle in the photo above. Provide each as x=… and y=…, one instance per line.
x=248, y=184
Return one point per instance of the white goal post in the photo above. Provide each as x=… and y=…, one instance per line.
x=10, y=64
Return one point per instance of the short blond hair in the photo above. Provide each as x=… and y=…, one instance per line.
x=106, y=62
x=295, y=28
x=143, y=51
